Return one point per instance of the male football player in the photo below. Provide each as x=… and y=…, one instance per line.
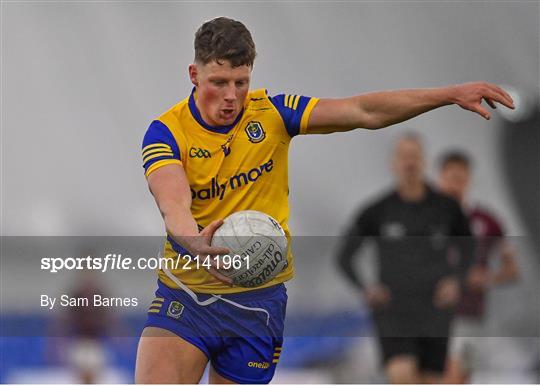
x=468, y=344
x=224, y=149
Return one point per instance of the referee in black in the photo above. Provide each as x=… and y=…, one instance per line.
x=422, y=258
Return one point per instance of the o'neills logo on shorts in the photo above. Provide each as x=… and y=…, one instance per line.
x=259, y=365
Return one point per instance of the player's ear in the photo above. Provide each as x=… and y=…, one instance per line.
x=193, y=74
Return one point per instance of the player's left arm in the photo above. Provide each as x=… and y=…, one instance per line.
x=508, y=270
x=381, y=109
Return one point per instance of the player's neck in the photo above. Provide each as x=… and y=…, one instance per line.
x=412, y=191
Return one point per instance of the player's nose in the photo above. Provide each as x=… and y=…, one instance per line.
x=230, y=93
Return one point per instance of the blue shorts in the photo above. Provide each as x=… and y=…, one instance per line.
x=243, y=346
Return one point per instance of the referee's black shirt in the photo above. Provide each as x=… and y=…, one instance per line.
x=414, y=241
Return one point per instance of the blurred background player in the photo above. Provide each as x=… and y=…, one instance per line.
x=454, y=180
x=414, y=299
x=83, y=330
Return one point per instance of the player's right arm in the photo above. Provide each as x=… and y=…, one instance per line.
x=347, y=252
x=169, y=185
x=170, y=188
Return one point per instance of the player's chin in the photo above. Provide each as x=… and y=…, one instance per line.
x=226, y=122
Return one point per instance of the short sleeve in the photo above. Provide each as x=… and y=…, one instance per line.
x=159, y=148
x=295, y=111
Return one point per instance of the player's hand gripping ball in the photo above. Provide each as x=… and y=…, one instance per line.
x=257, y=245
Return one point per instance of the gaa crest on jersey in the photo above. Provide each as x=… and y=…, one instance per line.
x=175, y=309
x=255, y=131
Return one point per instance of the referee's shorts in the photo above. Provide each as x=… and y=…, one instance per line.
x=422, y=334
x=430, y=352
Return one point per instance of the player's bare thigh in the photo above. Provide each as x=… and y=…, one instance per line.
x=402, y=369
x=163, y=357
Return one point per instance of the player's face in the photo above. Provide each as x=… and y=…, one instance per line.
x=409, y=161
x=454, y=180
x=221, y=90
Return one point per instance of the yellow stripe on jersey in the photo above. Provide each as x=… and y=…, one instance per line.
x=161, y=154
x=161, y=163
x=278, y=348
x=156, y=305
x=275, y=361
x=155, y=146
x=153, y=310
x=155, y=151
x=287, y=97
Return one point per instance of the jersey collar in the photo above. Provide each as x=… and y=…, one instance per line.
x=197, y=115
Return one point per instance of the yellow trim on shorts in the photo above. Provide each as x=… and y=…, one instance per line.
x=295, y=103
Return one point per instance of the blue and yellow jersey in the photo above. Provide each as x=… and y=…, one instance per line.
x=229, y=168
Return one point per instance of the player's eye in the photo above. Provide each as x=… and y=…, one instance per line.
x=241, y=83
x=219, y=82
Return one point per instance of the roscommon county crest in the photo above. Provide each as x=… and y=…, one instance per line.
x=255, y=131
x=175, y=309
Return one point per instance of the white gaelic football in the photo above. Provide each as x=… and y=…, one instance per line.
x=257, y=245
